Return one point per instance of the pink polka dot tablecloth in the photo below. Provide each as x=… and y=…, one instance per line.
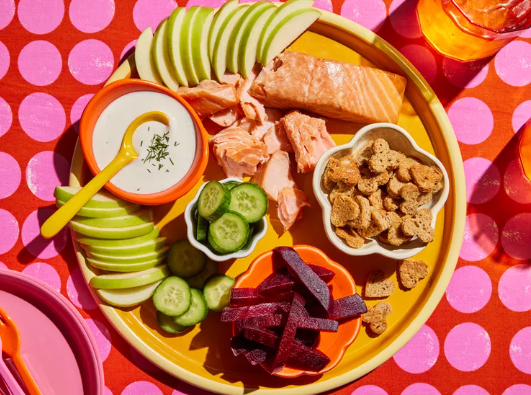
x=56, y=54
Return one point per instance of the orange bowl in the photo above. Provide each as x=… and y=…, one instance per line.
x=333, y=344
x=106, y=96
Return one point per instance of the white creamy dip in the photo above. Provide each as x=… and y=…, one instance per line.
x=165, y=154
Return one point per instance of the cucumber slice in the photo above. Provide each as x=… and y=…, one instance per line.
x=198, y=281
x=202, y=229
x=214, y=201
x=229, y=233
x=231, y=184
x=196, y=313
x=172, y=297
x=249, y=200
x=167, y=324
x=217, y=292
x=184, y=260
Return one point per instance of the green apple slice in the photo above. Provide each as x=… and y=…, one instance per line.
x=149, y=256
x=287, y=31
x=103, y=212
x=145, y=64
x=222, y=14
x=185, y=45
x=128, y=297
x=141, y=217
x=129, y=280
x=173, y=41
x=102, y=199
x=124, y=267
x=249, y=42
x=136, y=249
x=200, y=30
x=219, y=59
x=239, y=29
x=112, y=233
x=132, y=241
x=283, y=11
x=162, y=58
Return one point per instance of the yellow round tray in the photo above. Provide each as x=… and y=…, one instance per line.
x=202, y=356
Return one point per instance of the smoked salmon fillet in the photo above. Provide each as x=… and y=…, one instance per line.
x=331, y=88
x=275, y=175
x=252, y=108
x=308, y=137
x=237, y=152
x=227, y=117
x=291, y=202
x=209, y=97
x=276, y=139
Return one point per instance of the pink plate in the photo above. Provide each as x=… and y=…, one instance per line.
x=56, y=343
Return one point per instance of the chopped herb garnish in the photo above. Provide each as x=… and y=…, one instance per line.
x=158, y=149
x=138, y=189
x=148, y=170
x=160, y=165
x=167, y=171
x=176, y=144
x=141, y=142
x=171, y=161
x=149, y=127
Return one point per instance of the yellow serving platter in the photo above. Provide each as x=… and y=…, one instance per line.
x=202, y=356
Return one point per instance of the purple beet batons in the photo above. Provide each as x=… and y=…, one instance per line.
x=279, y=323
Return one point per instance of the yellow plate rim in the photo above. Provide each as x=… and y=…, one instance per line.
x=459, y=198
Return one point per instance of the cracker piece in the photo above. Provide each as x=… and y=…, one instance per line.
x=410, y=194
x=411, y=271
x=351, y=237
x=438, y=187
x=425, y=198
x=425, y=177
x=327, y=182
x=404, y=165
x=341, y=189
x=375, y=199
x=390, y=203
x=370, y=181
x=364, y=219
x=377, y=286
x=343, y=170
x=376, y=317
x=363, y=154
x=395, y=236
x=379, y=223
x=394, y=186
x=419, y=225
x=344, y=209
x=383, y=158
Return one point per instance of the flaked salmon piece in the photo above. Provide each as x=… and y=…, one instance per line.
x=275, y=175
x=331, y=88
x=276, y=139
x=308, y=137
x=237, y=152
x=209, y=97
x=291, y=202
x=231, y=79
x=252, y=108
x=227, y=117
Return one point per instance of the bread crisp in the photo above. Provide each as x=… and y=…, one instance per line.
x=420, y=225
x=426, y=177
x=378, y=286
x=351, y=237
x=411, y=271
x=344, y=209
x=376, y=317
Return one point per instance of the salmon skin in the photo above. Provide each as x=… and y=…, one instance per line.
x=308, y=137
x=209, y=97
x=331, y=88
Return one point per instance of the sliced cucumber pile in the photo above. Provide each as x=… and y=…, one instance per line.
x=172, y=297
x=226, y=212
x=198, y=281
x=184, y=260
x=168, y=324
x=196, y=313
x=217, y=292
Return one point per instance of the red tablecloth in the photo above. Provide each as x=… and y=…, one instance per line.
x=55, y=54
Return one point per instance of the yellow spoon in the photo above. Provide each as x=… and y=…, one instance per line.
x=126, y=155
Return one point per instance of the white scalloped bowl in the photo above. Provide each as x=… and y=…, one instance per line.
x=260, y=229
x=398, y=140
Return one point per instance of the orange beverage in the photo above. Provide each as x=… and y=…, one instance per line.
x=472, y=29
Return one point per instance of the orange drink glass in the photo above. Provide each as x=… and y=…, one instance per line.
x=472, y=29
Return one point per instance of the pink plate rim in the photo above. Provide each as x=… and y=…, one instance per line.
x=94, y=359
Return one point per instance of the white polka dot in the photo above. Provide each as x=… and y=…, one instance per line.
x=420, y=353
x=513, y=63
x=368, y=13
x=45, y=273
x=40, y=63
x=7, y=11
x=465, y=74
x=403, y=18
x=518, y=389
x=91, y=16
x=514, y=288
x=77, y=109
x=141, y=388
x=467, y=347
x=516, y=236
x=6, y=117
x=42, y=117
x=471, y=390
x=423, y=60
x=10, y=175
x=40, y=16
x=8, y=230
x=102, y=336
x=91, y=62
x=37, y=245
x=480, y=238
x=45, y=171
x=520, y=350
x=420, y=389
x=151, y=12
x=5, y=59
x=369, y=390
x=517, y=186
x=521, y=115
x=471, y=119
x=469, y=290
x=78, y=292
x=3, y=266
x=482, y=180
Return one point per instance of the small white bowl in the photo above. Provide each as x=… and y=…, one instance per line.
x=398, y=140
x=260, y=229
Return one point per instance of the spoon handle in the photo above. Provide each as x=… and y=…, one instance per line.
x=8, y=378
x=61, y=217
